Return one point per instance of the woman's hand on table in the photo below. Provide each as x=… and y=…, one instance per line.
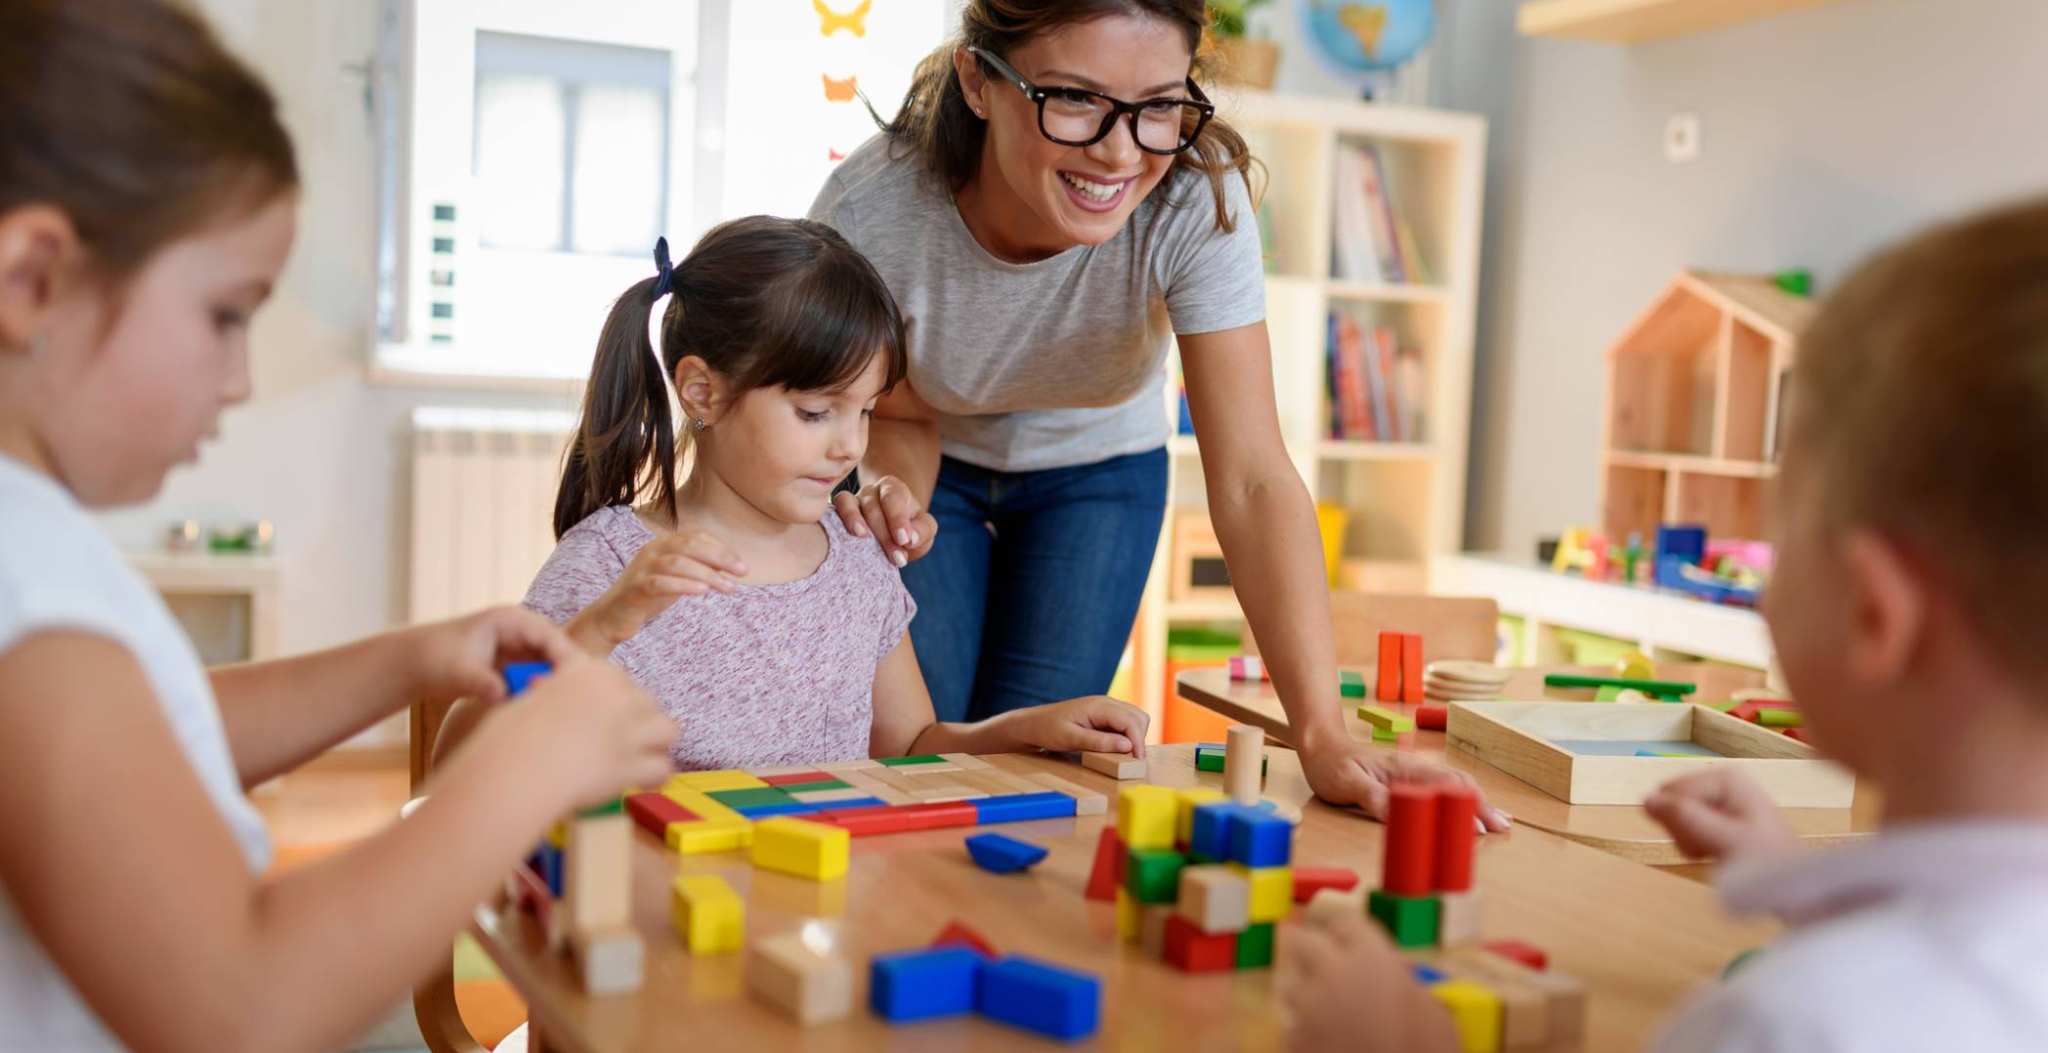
x=886, y=509
x=1342, y=770
x=1345, y=987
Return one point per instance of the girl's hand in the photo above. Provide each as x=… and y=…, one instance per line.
x=886, y=509
x=1722, y=815
x=585, y=732
x=1346, y=771
x=461, y=657
x=1097, y=724
x=685, y=563
x=1344, y=987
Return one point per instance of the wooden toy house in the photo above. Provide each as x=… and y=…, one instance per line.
x=1695, y=393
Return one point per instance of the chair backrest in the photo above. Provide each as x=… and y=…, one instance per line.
x=1450, y=626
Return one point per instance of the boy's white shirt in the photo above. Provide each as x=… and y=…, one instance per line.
x=1927, y=937
x=59, y=571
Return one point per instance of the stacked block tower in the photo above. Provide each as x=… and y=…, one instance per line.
x=1198, y=879
x=1425, y=896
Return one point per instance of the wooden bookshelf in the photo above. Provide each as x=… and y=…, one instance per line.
x=1637, y=21
x=1405, y=500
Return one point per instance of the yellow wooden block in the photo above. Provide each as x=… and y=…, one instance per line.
x=700, y=804
x=709, y=835
x=1130, y=917
x=798, y=846
x=1145, y=816
x=1475, y=1011
x=708, y=781
x=709, y=916
x=1186, y=801
x=1272, y=891
x=558, y=834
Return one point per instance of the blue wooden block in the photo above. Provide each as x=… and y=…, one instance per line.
x=1003, y=855
x=519, y=674
x=1019, y=807
x=763, y=811
x=1041, y=998
x=1425, y=975
x=550, y=867
x=1258, y=839
x=1209, y=837
x=924, y=983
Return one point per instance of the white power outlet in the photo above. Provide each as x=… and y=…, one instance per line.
x=1682, y=138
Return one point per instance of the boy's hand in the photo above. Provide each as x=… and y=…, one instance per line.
x=1097, y=723
x=686, y=563
x=461, y=657
x=1346, y=771
x=1345, y=988
x=1722, y=815
x=585, y=730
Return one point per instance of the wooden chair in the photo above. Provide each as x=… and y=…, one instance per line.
x=1451, y=626
x=433, y=1002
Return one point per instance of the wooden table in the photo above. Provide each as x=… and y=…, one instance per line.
x=1624, y=831
x=1640, y=939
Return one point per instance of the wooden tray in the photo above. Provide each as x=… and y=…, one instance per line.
x=1584, y=753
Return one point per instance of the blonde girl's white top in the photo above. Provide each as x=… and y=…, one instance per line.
x=59, y=571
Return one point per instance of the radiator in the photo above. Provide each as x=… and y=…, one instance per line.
x=483, y=498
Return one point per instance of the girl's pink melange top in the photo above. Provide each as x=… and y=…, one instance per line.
x=766, y=675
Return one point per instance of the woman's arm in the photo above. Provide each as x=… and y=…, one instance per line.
x=1267, y=527
x=904, y=724
x=899, y=472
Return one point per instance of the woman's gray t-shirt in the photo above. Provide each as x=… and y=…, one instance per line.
x=1058, y=362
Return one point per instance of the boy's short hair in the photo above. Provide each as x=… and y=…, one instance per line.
x=1920, y=408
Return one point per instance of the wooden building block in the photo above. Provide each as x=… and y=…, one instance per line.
x=1186, y=800
x=1410, y=921
x=943, y=792
x=1243, y=759
x=707, y=781
x=1350, y=684
x=1389, y=687
x=1330, y=904
x=710, y=835
x=804, y=982
x=966, y=761
x=1529, y=955
x=1411, y=668
x=1457, y=836
x=1525, y=1006
x=1086, y=801
x=1386, y=719
x=799, y=777
x=1272, y=891
x=1458, y=918
x=597, y=879
x=1106, y=877
x=1191, y=950
x=1475, y=1012
x=709, y=916
x=1432, y=716
x=1118, y=766
x=1310, y=880
x=1215, y=898
x=1152, y=875
x=1565, y=995
x=801, y=847
x=1152, y=919
x=1041, y=998
x=1410, y=844
x=1130, y=916
x=609, y=960
x=959, y=934
x=857, y=764
x=1248, y=667
x=1145, y=816
x=1255, y=946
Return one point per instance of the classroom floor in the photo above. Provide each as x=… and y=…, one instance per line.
x=350, y=794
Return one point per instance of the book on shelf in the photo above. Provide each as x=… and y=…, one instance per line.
x=1376, y=386
x=1373, y=242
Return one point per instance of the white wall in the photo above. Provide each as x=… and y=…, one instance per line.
x=1826, y=134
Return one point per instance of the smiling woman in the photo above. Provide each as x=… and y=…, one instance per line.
x=1055, y=206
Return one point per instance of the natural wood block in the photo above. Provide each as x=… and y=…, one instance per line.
x=1215, y=898
x=1331, y=904
x=1118, y=766
x=966, y=761
x=1243, y=758
x=1152, y=921
x=1458, y=918
x=809, y=985
x=597, y=878
x=1564, y=996
x=1086, y=801
x=1525, y=1007
x=610, y=960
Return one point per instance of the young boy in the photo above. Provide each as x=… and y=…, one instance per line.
x=1910, y=611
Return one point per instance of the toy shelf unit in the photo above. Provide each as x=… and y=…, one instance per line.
x=1371, y=220
x=1695, y=395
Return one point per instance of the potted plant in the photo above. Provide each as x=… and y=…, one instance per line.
x=1244, y=61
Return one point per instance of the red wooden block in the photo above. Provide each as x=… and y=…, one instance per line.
x=956, y=934
x=1410, y=851
x=1310, y=880
x=1190, y=949
x=1390, y=668
x=1411, y=668
x=1432, y=716
x=1798, y=735
x=1749, y=710
x=653, y=813
x=864, y=822
x=1457, y=830
x=1533, y=957
x=1108, y=873
x=795, y=778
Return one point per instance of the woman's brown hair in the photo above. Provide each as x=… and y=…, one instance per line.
x=133, y=119
x=935, y=123
x=1920, y=409
x=765, y=302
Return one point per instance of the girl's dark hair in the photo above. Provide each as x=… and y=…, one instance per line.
x=935, y=123
x=132, y=118
x=766, y=302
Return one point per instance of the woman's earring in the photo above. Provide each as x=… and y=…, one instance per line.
x=697, y=424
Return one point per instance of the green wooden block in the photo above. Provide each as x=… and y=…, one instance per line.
x=1385, y=719
x=1779, y=718
x=1648, y=687
x=1351, y=683
x=1153, y=875
x=616, y=804
x=1255, y=946
x=1206, y=761
x=1410, y=920
x=749, y=798
x=813, y=787
x=899, y=762
x=1721, y=707
x=1610, y=693
x=1382, y=735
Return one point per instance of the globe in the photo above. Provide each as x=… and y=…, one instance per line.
x=1365, y=36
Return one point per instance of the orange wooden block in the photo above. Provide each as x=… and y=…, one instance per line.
x=1390, y=668
x=1411, y=668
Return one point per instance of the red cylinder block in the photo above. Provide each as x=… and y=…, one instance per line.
x=1457, y=831
x=1411, y=840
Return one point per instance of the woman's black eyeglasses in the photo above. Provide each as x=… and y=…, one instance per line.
x=1079, y=117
